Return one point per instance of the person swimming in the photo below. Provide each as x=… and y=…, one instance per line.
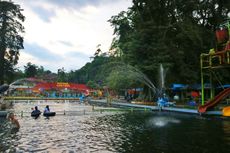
x=47, y=112
x=36, y=110
x=47, y=109
x=14, y=121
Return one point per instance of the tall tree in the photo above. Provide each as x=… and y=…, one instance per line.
x=30, y=70
x=10, y=39
x=61, y=75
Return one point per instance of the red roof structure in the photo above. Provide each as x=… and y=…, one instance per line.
x=60, y=86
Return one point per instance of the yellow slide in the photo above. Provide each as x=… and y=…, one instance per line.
x=226, y=111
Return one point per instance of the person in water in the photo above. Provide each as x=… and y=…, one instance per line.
x=36, y=110
x=14, y=121
x=47, y=109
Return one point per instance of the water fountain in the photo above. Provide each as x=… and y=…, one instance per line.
x=162, y=79
x=163, y=99
x=125, y=69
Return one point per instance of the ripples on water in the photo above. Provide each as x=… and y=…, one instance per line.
x=161, y=121
x=138, y=132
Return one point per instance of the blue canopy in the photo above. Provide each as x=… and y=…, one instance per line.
x=198, y=86
x=176, y=86
x=224, y=86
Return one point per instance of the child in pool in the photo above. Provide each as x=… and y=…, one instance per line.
x=14, y=121
x=47, y=109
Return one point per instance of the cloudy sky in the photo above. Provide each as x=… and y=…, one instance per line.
x=65, y=33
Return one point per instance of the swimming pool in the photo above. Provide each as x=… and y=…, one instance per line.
x=136, y=131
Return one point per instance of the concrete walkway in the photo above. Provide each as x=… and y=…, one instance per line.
x=153, y=108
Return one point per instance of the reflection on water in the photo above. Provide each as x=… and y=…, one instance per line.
x=115, y=132
x=162, y=121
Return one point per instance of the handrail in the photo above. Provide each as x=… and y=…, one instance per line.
x=222, y=56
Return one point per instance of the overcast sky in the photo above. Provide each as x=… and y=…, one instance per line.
x=65, y=33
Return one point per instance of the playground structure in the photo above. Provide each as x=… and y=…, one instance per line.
x=218, y=58
x=36, y=88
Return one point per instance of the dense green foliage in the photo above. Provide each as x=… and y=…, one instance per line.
x=10, y=39
x=30, y=70
x=173, y=33
x=96, y=71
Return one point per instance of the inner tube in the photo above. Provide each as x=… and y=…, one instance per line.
x=49, y=113
x=3, y=88
x=35, y=114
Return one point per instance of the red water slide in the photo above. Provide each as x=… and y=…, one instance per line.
x=211, y=103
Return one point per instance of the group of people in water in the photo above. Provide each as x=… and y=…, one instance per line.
x=15, y=124
x=36, y=110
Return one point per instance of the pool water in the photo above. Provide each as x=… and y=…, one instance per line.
x=139, y=132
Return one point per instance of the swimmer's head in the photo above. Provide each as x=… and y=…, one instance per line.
x=11, y=115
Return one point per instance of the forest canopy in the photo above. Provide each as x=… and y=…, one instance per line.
x=173, y=33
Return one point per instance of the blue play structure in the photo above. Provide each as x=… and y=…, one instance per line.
x=164, y=102
x=54, y=94
x=192, y=103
